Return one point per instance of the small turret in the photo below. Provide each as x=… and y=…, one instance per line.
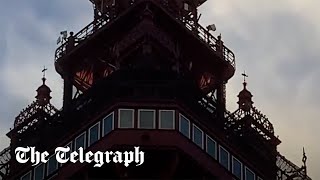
x=245, y=97
x=43, y=92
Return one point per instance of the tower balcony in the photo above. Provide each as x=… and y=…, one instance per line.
x=103, y=31
x=202, y=33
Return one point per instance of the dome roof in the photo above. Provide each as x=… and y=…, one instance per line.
x=44, y=88
x=245, y=98
x=245, y=93
x=43, y=93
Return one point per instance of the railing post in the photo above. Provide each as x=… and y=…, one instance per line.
x=220, y=47
x=208, y=35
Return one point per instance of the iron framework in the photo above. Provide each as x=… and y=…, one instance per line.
x=289, y=171
x=260, y=122
x=4, y=162
x=24, y=120
x=203, y=34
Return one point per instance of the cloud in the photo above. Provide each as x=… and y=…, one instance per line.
x=26, y=45
x=277, y=44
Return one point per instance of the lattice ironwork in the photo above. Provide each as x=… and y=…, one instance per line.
x=24, y=120
x=289, y=171
x=209, y=103
x=260, y=122
x=85, y=78
x=4, y=162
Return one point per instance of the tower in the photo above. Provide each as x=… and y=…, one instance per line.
x=146, y=73
x=30, y=127
x=145, y=55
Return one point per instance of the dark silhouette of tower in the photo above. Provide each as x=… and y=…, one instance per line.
x=146, y=73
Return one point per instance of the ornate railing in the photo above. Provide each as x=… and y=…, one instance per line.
x=83, y=34
x=209, y=39
x=202, y=33
x=289, y=171
x=260, y=123
x=24, y=120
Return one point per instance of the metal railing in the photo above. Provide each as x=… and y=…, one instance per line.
x=83, y=34
x=202, y=33
x=211, y=41
x=288, y=170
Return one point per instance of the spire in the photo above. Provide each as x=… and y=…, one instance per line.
x=43, y=92
x=245, y=97
x=44, y=75
x=304, y=160
x=244, y=79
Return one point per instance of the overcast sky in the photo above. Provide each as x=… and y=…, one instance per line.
x=275, y=42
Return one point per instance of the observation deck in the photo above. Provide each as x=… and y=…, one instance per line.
x=222, y=55
x=203, y=34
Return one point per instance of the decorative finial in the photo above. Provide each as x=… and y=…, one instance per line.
x=244, y=79
x=244, y=76
x=304, y=158
x=44, y=74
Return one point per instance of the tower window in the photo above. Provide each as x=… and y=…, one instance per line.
x=236, y=167
x=249, y=175
x=52, y=165
x=224, y=157
x=166, y=119
x=94, y=133
x=197, y=136
x=39, y=172
x=108, y=124
x=80, y=141
x=184, y=126
x=211, y=147
x=146, y=119
x=26, y=176
x=126, y=118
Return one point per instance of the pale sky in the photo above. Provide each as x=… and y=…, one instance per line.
x=275, y=42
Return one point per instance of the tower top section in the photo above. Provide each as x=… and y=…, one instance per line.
x=154, y=34
x=111, y=8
